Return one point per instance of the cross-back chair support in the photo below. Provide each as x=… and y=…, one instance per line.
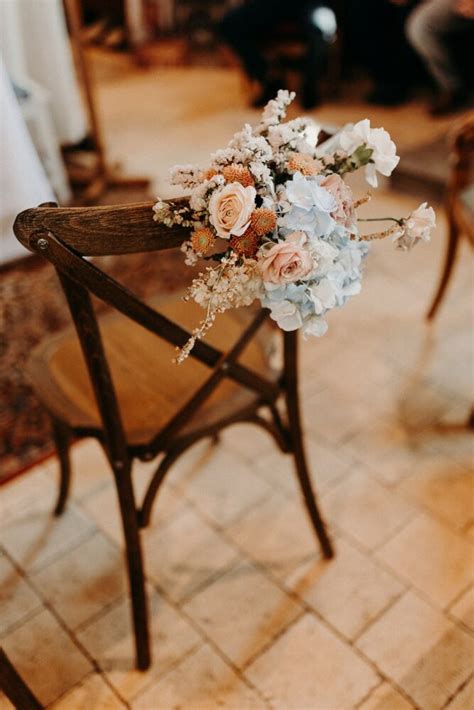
x=64, y=236
x=459, y=221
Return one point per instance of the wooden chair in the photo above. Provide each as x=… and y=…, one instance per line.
x=459, y=204
x=114, y=379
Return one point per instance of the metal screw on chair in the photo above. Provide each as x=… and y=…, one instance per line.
x=225, y=366
x=42, y=244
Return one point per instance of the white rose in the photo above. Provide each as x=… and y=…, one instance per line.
x=230, y=208
x=384, y=157
x=416, y=226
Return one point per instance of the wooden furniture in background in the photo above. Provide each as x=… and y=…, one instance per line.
x=102, y=177
x=459, y=204
x=114, y=378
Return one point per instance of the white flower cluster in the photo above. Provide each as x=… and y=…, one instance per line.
x=383, y=158
x=169, y=214
x=187, y=176
x=202, y=192
x=230, y=285
x=275, y=110
x=285, y=220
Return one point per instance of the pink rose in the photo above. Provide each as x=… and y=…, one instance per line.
x=287, y=261
x=230, y=208
x=342, y=193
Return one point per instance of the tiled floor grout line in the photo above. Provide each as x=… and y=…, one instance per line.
x=418, y=506
x=368, y=695
x=396, y=531
x=47, y=605
x=281, y=632
x=457, y=691
x=378, y=616
x=308, y=609
x=24, y=619
x=468, y=586
x=106, y=608
x=93, y=672
x=351, y=642
x=177, y=606
x=423, y=508
x=214, y=577
x=154, y=678
x=395, y=687
x=405, y=582
x=221, y=530
x=62, y=553
x=207, y=639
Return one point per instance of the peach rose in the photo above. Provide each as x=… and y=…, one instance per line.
x=230, y=208
x=287, y=261
x=342, y=193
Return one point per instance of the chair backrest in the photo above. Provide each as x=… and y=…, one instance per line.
x=65, y=236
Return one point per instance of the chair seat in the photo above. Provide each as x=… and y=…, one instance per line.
x=150, y=387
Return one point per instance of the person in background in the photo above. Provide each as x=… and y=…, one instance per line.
x=246, y=28
x=428, y=29
x=375, y=39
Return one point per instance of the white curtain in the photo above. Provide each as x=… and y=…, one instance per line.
x=23, y=182
x=34, y=43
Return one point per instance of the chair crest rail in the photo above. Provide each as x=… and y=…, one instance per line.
x=101, y=231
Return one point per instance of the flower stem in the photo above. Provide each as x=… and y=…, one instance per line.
x=379, y=219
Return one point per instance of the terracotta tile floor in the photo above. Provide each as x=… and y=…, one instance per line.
x=245, y=614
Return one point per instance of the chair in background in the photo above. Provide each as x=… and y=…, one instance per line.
x=114, y=379
x=459, y=204
x=102, y=177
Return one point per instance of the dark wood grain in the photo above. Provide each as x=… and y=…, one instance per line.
x=100, y=231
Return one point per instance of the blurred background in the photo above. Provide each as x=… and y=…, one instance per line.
x=99, y=99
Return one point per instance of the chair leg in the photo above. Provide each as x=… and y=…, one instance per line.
x=62, y=439
x=136, y=575
x=306, y=486
x=290, y=380
x=14, y=687
x=144, y=512
x=452, y=247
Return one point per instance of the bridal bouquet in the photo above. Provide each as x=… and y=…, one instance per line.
x=276, y=221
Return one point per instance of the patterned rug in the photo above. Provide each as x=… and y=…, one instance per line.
x=32, y=306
